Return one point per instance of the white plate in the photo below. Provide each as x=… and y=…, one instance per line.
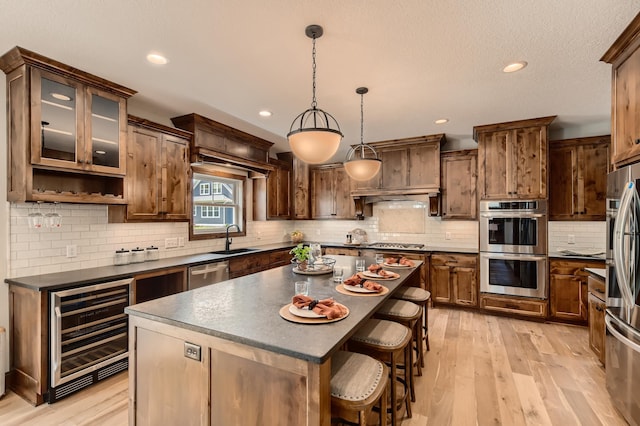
x=371, y=274
x=358, y=289
x=380, y=277
x=304, y=313
x=395, y=265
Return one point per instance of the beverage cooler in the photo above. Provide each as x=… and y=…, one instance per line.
x=88, y=335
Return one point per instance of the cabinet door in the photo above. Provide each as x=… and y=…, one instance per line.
x=563, y=194
x=567, y=297
x=344, y=206
x=395, y=168
x=176, y=178
x=459, y=178
x=494, y=165
x=323, y=205
x=592, y=181
x=626, y=110
x=464, y=285
x=105, y=132
x=530, y=160
x=144, y=174
x=168, y=375
x=441, y=283
x=278, y=206
x=57, y=121
x=423, y=162
x=301, y=205
x=597, y=326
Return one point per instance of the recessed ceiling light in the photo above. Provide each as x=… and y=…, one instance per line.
x=61, y=97
x=157, y=59
x=441, y=121
x=100, y=152
x=265, y=113
x=515, y=66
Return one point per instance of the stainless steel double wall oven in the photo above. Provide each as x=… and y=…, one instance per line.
x=513, y=247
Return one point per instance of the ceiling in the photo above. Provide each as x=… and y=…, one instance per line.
x=421, y=60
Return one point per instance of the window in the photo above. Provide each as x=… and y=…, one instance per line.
x=205, y=188
x=218, y=200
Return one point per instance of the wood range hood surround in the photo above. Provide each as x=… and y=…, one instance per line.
x=410, y=171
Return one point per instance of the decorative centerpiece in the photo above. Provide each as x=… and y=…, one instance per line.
x=306, y=264
x=301, y=255
x=297, y=236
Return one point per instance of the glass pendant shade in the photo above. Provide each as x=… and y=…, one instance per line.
x=362, y=168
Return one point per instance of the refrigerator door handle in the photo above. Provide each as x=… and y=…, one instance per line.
x=618, y=244
x=613, y=325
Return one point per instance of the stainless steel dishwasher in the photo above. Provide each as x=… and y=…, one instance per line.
x=209, y=273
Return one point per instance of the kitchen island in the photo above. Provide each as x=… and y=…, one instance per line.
x=223, y=355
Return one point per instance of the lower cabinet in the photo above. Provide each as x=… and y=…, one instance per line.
x=510, y=305
x=339, y=251
x=251, y=263
x=568, y=300
x=454, y=279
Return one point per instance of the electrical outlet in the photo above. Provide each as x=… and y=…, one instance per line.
x=180, y=241
x=170, y=242
x=571, y=239
x=447, y=235
x=72, y=250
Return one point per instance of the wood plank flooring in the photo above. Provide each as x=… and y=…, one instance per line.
x=481, y=370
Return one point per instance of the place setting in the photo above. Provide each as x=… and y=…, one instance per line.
x=358, y=285
x=304, y=309
x=398, y=262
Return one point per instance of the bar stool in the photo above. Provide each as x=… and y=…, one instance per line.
x=421, y=297
x=357, y=383
x=407, y=314
x=387, y=341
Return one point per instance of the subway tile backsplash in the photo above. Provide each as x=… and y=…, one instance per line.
x=34, y=252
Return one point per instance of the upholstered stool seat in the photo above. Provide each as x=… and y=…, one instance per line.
x=357, y=382
x=420, y=297
x=407, y=314
x=388, y=341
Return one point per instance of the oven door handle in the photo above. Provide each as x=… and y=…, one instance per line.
x=512, y=215
x=514, y=257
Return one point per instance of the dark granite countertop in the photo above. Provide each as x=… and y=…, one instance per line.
x=79, y=277
x=245, y=310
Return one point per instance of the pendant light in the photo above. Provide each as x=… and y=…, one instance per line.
x=359, y=165
x=314, y=135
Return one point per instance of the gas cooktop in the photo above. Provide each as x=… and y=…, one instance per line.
x=396, y=245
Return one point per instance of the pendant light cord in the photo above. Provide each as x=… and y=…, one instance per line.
x=362, y=125
x=314, y=103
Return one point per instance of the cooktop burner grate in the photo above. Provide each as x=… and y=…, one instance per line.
x=397, y=245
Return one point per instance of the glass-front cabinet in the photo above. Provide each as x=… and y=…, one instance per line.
x=76, y=126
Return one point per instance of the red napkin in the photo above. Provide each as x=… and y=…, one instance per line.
x=369, y=285
x=387, y=274
x=326, y=307
x=408, y=262
x=374, y=268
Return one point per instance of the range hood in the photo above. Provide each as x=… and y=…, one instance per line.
x=371, y=197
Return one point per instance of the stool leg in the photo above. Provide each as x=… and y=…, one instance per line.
x=383, y=408
x=419, y=359
x=426, y=326
x=392, y=383
x=408, y=375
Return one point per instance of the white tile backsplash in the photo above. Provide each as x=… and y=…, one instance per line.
x=588, y=235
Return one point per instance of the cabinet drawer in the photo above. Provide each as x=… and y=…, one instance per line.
x=279, y=258
x=248, y=264
x=573, y=267
x=341, y=251
x=596, y=287
x=531, y=308
x=467, y=260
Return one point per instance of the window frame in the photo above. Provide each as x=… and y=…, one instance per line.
x=242, y=203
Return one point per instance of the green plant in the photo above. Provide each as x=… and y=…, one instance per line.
x=301, y=252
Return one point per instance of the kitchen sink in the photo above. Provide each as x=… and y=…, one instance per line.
x=234, y=251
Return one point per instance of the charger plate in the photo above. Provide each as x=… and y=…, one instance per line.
x=340, y=289
x=284, y=313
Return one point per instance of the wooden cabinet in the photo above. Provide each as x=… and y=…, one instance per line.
x=568, y=300
x=459, y=174
x=67, y=132
x=331, y=193
x=409, y=166
x=512, y=159
x=454, y=279
x=158, y=174
x=597, y=306
x=279, y=258
x=339, y=251
x=153, y=285
x=624, y=56
x=578, y=169
x=299, y=197
x=271, y=196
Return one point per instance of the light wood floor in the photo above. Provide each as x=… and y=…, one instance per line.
x=481, y=370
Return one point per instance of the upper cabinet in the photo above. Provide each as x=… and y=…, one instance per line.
x=67, y=132
x=512, y=159
x=272, y=195
x=158, y=174
x=624, y=55
x=578, y=169
x=330, y=193
x=299, y=197
x=459, y=176
x=409, y=166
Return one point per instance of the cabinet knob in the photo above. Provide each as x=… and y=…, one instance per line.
x=637, y=141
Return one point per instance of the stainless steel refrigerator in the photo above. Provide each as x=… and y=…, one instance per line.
x=622, y=319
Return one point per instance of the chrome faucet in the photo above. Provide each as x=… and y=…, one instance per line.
x=228, y=241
